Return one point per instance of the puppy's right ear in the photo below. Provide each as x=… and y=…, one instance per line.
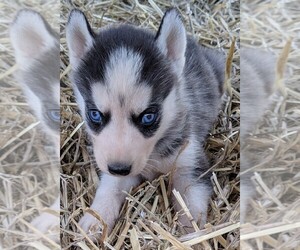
x=80, y=37
x=171, y=39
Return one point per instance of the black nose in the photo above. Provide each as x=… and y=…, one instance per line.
x=119, y=169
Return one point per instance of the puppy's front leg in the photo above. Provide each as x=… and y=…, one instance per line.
x=108, y=200
x=196, y=197
x=194, y=191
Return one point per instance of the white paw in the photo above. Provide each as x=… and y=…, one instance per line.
x=106, y=205
x=91, y=225
x=195, y=199
x=186, y=222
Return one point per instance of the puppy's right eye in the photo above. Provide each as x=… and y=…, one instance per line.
x=95, y=116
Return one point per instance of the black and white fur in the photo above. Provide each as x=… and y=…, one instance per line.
x=125, y=71
x=36, y=48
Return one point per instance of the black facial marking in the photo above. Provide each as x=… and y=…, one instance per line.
x=147, y=131
x=170, y=146
x=159, y=77
x=96, y=127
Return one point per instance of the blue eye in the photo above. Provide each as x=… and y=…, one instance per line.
x=95, y=115
x=149, y=119
x=54, y=115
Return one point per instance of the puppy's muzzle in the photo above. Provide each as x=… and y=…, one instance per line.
x=119, y=169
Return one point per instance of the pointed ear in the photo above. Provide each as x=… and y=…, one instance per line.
x=31, y=36
x=80, y=37
x=171, y=39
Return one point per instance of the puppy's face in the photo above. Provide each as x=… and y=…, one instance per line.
x=126, y=84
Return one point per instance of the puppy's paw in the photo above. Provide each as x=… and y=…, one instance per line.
x=90, y=223
x=106, y=205
x=187, y=222
x=195, y=199
x=93, y=226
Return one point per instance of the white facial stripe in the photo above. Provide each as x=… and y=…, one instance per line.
x=136, y=98
x=122, y=76
x=123, y=70
x=121, y=84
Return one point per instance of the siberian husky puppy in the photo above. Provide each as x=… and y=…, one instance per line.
x=256, y=87
x=36, y=48
x=143, y=96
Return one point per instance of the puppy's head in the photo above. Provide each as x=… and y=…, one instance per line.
x=127, y=83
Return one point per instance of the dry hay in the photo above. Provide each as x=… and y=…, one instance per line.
x=147, y=220
x=274, y=215
x=28, y=172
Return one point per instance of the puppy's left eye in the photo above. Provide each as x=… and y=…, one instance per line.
x=148, y=119
x=54, y=114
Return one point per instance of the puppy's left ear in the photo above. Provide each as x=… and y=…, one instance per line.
x=171, y=39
